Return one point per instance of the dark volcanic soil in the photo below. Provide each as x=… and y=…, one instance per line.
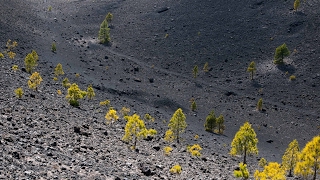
x=43, y=136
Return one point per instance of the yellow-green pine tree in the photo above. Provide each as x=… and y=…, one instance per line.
x=195, y=150
x=206, y=67
x=281, y=52
x=58, y=70
x=252, y=69
x=220, y=124
x=177, y=124
x=66, y=83
x=263, y=162
x=109, y=17
x=245, y=142
x=273, y=171
x=309, y=159
x=111, y=116
x=135, y=130
x=74, y=94
x=296, y=5
x=34, y=81
x=104, y=32
x=290, y=157
x=195, y=71
x=19, y=92
x=243, y=171
x=90, y=92
x=30, y=61
x=259, y=104
x=211, y=122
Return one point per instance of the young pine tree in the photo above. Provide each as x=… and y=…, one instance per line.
x=90, y=92
x=53, y=47
x=220, y=124
x=195, y=71
x=111, y=116
x=34, y=81
x=206, y=67
x=66, y=83
x=242, y=172
x=211, y=122
x=30, y=61
x=169, y=136
x=263, y=162
x=259, y=104
x=281, y=52
x=74, y=94
x=135, y=130
x=104, y=32
x=309, y=159
x=290, y=157
x=195, y=150
x=296, y=5
x=109, y=17
x=272, y=171
x=177, y=124
x=252, y=69
x=176, y=169
x=19, y=92
x=193, y=105
x=58, y=70
x=245, y=142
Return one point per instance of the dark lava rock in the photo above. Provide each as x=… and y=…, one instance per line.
x=269, y=141
x=157, y=148
x=76, y=130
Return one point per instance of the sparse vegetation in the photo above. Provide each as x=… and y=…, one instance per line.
x=59, y=92
x=292, y=77
x=15, y=67
x=111, y=116
x=220, y=124
x=90, y=92
x=176, y=169
x=195, y=71
x=19, y=92
x=206, y=67
x=194, y=150
x=296, y=5
x=125, y=111
x=259, y=105
x=169, y=136
x=66, y=83
x=11, y=54
x=50, y=8
x=245, y=142
x=105, y=103
x=167, y=150
x=242, y=172
x=177, y=124
x=193, y=104
x=74, y=94
x=30, y=61
x=211, y=122
x=148, y=117
x=104, y=32
x=262, y=162
x=281, y=52
x=53, y=47
x=34, y=81
x=1, y=55
x=58, y=70
x=252, y=69
x=109, y=17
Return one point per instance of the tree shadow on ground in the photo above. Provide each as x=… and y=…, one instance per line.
x=287, y=68
x=255, y=84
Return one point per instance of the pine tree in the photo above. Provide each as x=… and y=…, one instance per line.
x=206, y=67
x=220, y=124
x=290, y=157
x=66, y=83
x=296, y=5
x=309, y=159
x=30, y=61
x=109, y=17
x=34, y=81
x=194, y=150
x=74, y=94
x=19, y=92
x=148, y=117
x=281, y=52
x=104, y=32
x=135, y=129
x=58, y=70
x=176, y=169
x=90, y=92
x=272, y=171
x=244, y=142
x=263, y=162
x=252, y=69
x=111, y=116
x=169, y=136
x=177, y=124
x=195, y=71
x=193, y=105
x=53, y=47
x=259, y=104
x=242, y=172
x=211, y=122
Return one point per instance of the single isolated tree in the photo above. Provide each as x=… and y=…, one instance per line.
x=193, y=104
x=53, y=47
x=135, y=129
x=177, y=124
x=90, y=92
x=245, y=142
x=296, y=5
x=259, y=104
x=74, y=94
x=58, y=70
x=19, y=92
x=290, y=157
x=104, y=32
x=252, y=69
x=272, y=171
x=220, y=124
x=309, y=159
x=195, y=71
x=30, y=61
x=210, y=123
x=206, y=67
x=195, y=150
x=281, y=52
x=242, y=172
x=34, y=81
x=111, y=116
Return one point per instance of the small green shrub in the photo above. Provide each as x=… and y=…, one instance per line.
x=19, y=92
x=15, y=67
x=167, y=150
x=259, y=104
x=292, y=77
x=176, y=169
x=53, y=47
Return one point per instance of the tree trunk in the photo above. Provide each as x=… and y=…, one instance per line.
x=315, y=171
x=245, y=156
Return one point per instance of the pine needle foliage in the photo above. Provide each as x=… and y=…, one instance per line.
x=105, y=103
x=194, y=150
x=66, y=83
x=243, y=171
x=281, y=52
x=167, y=150
x=259, y=104
x=290, y=157
x=245, y=142
x=125, y=111
x=176, y=169
x=104, y=32
x=135, y=130
x=148, y=117
x=15, y=67
x=53, y=47
x=211, y=122
x=169, y=136
x=252, y=69
x=109, y=17
x=273, y=171
x=30, y=61
x=19, y=92
x=1, y=55
x=220, y=124
x=111, y=116
x=177, y=124
x=58, y=70
x=90, y=92
x=309, y=159
x=195, y=71
x=34, y=81
x=263, y=162
x=206, y=67
x=296, y=5
x=74, y=94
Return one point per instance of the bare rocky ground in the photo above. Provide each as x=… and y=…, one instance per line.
x=43, y=137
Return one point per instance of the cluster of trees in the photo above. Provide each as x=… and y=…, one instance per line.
x=305, y=163
x=214, y=124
